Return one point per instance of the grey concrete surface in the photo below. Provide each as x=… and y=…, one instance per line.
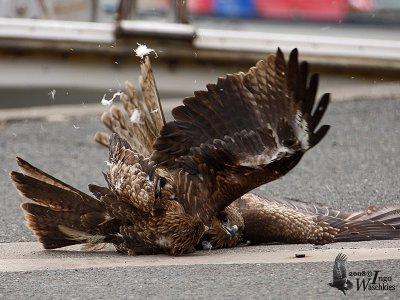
x=356, y=165
x=249, y=281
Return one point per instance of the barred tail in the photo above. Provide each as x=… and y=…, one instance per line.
x=60, y=215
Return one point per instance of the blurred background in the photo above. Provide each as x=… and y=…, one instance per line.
x=55, y=52
x=380, y=11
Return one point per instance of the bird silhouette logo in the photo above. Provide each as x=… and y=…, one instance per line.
x=340, y=278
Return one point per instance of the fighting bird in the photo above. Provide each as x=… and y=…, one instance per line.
x=245, y=130
x=340, y=278
x=126, y=213
x=169, y=182
x=274, y=220
x=251, y=218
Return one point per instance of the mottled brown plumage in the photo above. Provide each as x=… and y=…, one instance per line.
x=129, y=213
x=269, y=220
x=125, y=214
x=246, y=130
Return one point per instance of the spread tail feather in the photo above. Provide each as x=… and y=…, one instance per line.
x=60, y=215
x=46, y=226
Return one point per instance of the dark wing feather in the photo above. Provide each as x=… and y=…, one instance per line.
x=245, y=130
x=312, y=209
x=38, y=174
x=47, y=190
x=270, y=220
x=373, y=223
x=58, y=209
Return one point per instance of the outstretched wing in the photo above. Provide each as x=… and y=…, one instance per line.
x=373, y=223
x=270, y=220
x=142, y=121
x=245, y=130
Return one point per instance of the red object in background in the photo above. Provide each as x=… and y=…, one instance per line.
x=315, y=10
x=321, y=10
x=201, y=7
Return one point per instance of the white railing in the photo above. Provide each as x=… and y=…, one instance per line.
x=219, y=44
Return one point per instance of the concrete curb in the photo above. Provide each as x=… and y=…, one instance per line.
x=30, y=256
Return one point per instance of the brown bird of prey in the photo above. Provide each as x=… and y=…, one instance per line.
x=126, y=213
x=140, y=123
x=269, y=220
x=245, y=130
x=251, y=217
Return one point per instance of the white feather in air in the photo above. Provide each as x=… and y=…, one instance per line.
x=143, y=50
x=106, y=102
x=52, y=94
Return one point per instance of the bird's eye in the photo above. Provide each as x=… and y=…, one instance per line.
x=163, y=181
x=160, y=184
x=223, y=217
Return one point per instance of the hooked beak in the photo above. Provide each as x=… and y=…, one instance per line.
x=231, y=231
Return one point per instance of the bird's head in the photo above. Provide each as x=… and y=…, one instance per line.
x=225, y=231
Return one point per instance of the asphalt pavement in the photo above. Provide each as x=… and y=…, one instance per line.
x=165, y=278
x=355, y=166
